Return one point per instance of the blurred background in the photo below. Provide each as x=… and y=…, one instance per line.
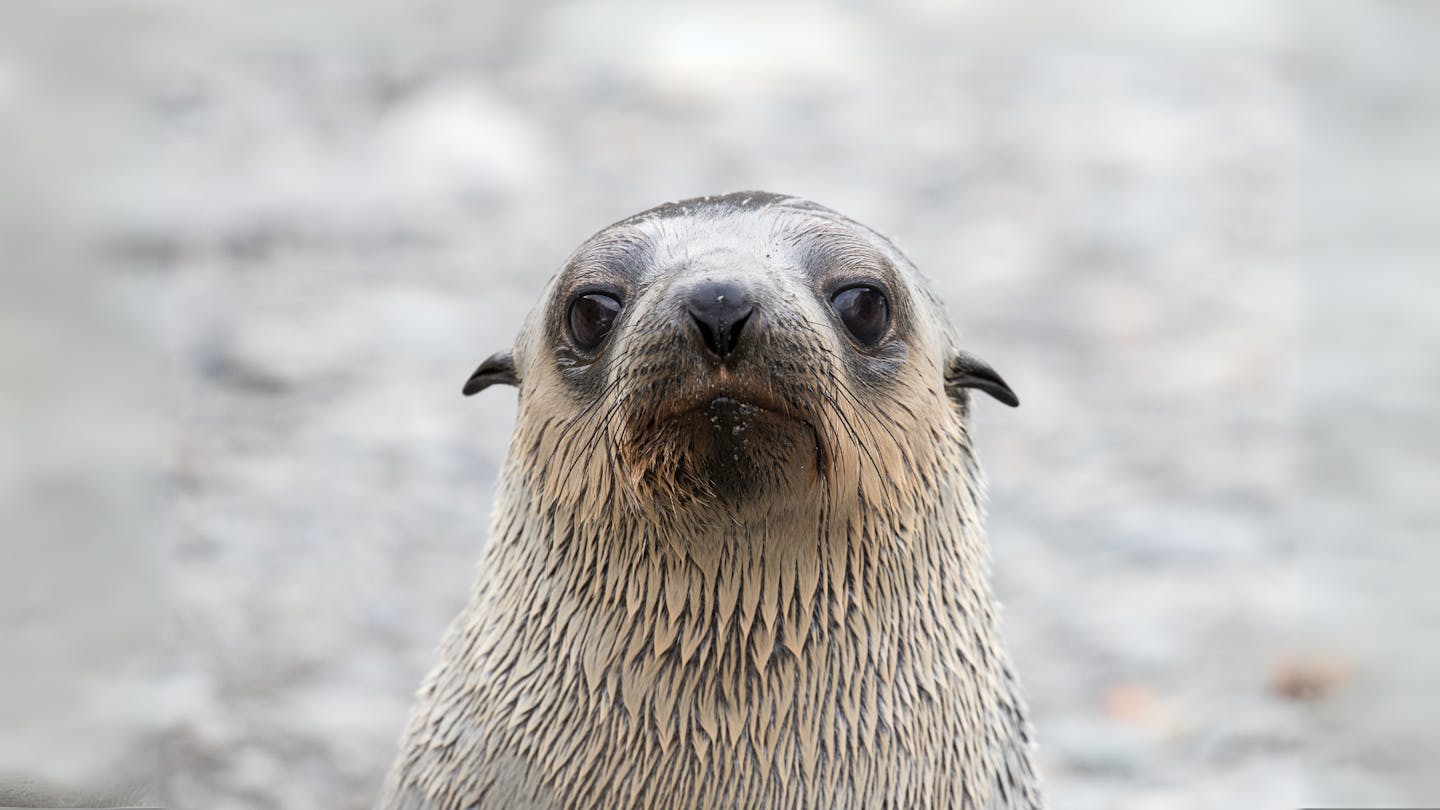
x=252, y=250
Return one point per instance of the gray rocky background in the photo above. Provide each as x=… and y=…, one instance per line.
x=254, y=249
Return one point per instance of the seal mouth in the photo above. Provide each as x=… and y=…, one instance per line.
x=742, y=407
x=732, y=403
x=737, y=410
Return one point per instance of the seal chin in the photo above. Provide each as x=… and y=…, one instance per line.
x=721, y=445
x=744, y=446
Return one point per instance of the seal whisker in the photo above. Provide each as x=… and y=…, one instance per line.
x=860, y=444
x=845, y=392
x=877, y=415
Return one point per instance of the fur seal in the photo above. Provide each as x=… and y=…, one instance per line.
x=737, y=557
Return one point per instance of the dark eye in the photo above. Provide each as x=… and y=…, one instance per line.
x=591, y=317
x=864, y=311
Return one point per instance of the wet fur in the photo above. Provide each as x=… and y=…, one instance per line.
x=651, y=631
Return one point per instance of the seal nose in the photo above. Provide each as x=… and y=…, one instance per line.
x=720, y=310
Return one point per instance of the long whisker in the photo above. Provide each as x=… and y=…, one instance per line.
x=591, y=406
x=857, y=408
x=883, y=419
x=586, y=418
x=864, y=447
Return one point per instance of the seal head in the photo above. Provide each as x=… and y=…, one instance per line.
x=722, y=346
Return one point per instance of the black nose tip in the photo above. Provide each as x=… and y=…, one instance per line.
x=720, y=310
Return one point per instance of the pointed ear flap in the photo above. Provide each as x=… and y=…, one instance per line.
x=969, y=371
x=498, y=369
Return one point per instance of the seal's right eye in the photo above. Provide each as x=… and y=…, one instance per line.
x=591, y=317
x=864, y=311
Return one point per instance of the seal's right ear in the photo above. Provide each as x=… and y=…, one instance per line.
x=969, y=371
x=498, y=369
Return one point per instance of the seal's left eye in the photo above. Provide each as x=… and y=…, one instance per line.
x=864, y=311
x=591, y=317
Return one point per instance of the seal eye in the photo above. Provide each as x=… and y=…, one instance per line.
x=591, y=317
x=864, y=311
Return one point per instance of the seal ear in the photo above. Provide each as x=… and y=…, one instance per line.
x=498, y=369
x=969, y=371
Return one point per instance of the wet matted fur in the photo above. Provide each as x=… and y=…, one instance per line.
x=751, y=581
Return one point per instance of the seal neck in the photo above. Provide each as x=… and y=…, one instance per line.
x=770, y=586
x=834, y=646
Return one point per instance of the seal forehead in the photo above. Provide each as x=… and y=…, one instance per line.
x=737, y=241
x=747, y=230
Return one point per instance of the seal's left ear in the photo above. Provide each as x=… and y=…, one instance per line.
x=969, y=371
x=498, y=369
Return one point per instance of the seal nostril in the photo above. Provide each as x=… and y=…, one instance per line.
x=720, y=312
x=732, y=335
x=707, y=334
x=721, y=337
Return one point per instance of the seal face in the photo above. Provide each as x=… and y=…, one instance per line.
x=741, y=330
x=736, y=559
